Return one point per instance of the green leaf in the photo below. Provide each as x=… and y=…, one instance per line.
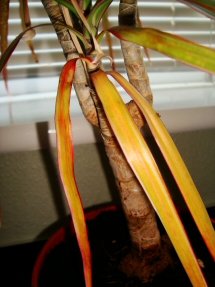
x=65, y=152
x=80, y=14
x=206, y=7
x=147, y=172
x=67, y=5
x=171, y=45
x=86, y=4
x=96, y=13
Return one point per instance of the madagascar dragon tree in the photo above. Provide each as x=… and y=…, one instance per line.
x=143, y=190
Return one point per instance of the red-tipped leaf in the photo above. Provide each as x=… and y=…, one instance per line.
x=66, y=165
x=171, y=45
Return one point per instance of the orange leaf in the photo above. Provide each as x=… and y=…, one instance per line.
x=66, y=165
x=147, y=172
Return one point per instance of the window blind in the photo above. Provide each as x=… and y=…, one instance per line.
x=33, y=85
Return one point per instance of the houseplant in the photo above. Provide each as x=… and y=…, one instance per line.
x=99, y=112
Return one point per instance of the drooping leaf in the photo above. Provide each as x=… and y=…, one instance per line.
x=206, y=7
x=97, y=13
x=4, y=15
x=146, y=170
x=66, y=165
x=26, y=23
x=8, y=52
x=171, y=45
x=175, y=163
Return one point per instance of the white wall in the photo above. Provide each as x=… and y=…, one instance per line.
x=31, y=200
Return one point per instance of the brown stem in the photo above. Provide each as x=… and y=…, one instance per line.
x=145, y=232
x=139, y=212
x=133, y=54
x=147, y=258
x=81, y=82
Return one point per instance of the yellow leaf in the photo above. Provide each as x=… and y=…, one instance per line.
x=145, y=168
x=175, y=163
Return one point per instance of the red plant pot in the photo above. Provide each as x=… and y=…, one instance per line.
x=59, y=261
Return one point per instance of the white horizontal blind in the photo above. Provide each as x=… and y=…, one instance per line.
x=33, y=86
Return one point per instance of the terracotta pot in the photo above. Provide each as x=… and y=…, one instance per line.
x=59, y=262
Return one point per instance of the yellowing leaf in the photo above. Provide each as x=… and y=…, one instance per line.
x=171, y=45
x=66, y=165
x=145, y=168
x=175, y=163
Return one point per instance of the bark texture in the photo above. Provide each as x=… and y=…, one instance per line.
x=140, y=215
x=133, y=54
x=81, y=82
x=149, y=256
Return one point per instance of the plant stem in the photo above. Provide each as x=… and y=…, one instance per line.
x=133, y=54
x=140, y=215
x=144, y=232
x=81, y=83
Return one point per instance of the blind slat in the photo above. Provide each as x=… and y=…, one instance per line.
x=170, y=16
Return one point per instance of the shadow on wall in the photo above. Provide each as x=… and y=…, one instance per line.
x=50, y=167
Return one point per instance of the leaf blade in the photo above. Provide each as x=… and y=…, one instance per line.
x=175, y=163
x=68, y=5
x=97, y=12
x=66, y=165
x=171, y=45
x=8, y=52
x=204, y=7
x=146, y=170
